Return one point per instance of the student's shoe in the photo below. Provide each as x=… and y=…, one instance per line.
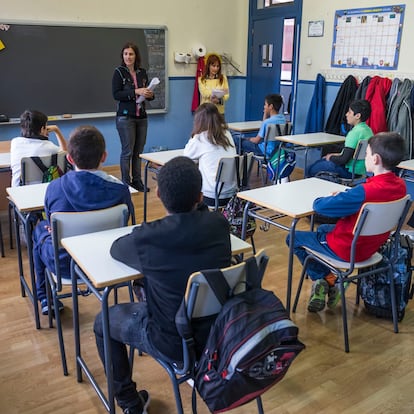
x=45, y=308
x=139, y=290
x=141, y=408
x=320, y=289
x=334, y=295
x=139, y=186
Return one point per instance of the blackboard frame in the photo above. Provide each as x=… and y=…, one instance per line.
x=66, y=68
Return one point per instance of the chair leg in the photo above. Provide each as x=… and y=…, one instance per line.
x=302, y=276
x=253, y=246
x=344, y=315
x=60, y=334
x=393, y=300
x=10, y=226
x=259, y=405
x=1, y=241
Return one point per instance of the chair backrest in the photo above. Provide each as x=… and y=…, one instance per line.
x=273, y=131
x=32, y=174
x=204, y=303
x=359, y=154
x=67, y=224
x=379, y=218
x=227, y=173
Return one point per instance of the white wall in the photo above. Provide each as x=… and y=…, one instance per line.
x=319, y=49
x=221, y=26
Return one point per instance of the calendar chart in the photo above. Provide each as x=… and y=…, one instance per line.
x=368, y=38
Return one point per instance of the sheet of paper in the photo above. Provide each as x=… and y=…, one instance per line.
x=154, y=82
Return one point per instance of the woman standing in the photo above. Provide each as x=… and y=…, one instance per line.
x=210, y=141
x=129, y=82
x=213, y=85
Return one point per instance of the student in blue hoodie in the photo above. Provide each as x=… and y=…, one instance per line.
x=83, y=189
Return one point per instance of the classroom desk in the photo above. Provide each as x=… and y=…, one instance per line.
x=293, y=199
x=102, y=276
x=406, y=165
x=26, y=201
x=307, y=141
x=4, y=161
x=159, y=158
x=243, y=128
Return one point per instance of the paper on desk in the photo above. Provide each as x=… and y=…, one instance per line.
x=154, y=82
x=218, y=93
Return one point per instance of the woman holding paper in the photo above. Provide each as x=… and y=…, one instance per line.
x=213, y=85
x=130, y=88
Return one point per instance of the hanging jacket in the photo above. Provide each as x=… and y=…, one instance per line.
x=362, y=88
x=316, y=111
x=377, y=93
x=399, y=116
x=196, y=93
x=336, y=123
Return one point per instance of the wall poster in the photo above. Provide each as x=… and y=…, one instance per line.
x=368, y=38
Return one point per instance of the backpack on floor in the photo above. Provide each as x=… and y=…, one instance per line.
x=281, y=164
x=49, y=173
x=375, y=289
x=250, y=347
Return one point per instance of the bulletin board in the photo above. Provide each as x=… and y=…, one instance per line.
x=67, y=69
x=368, y=38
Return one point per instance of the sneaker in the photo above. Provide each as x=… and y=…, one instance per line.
x=142, y=408
x=45, y=307
x=139, y=186
x=320, y=289
x=139, y=290
x=334, y=295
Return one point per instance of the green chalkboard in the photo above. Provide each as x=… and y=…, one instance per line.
x=67, y=69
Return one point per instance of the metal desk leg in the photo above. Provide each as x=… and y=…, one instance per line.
x=75, y=311
x=290, y=264
x=145, y=188
x=31, y=291
x=107, y=350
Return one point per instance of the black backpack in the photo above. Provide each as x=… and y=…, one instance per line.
x=375, y=289
x=250, y=346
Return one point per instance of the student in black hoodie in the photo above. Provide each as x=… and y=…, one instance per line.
x=166, y=251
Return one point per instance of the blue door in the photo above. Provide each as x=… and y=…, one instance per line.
x=264, y=64
x=272, y=54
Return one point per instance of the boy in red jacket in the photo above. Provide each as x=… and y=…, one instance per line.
x=384, y=152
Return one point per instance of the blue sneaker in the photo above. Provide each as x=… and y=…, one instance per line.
x=45, y=307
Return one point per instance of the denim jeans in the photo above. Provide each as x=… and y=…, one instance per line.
x=324, y=165
x=43, y=256
x=316, y=240
x=133, y=135
x=128, y=325
x=246, y=145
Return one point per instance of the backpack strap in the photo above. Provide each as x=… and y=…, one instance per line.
x=218, y=284
x=54, y=162
x=42, y=167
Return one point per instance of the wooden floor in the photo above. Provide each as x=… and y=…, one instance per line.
x=377, y=376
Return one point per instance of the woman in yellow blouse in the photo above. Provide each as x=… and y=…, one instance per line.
x=213, y=85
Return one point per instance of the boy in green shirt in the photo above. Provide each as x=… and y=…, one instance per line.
x=341, y=163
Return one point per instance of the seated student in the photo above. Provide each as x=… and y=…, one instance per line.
x=86, y=188
x=271, y=115
x=167, y=251
x=34, y=141
x=384, y=152
x=341, y=163
x=210, y=141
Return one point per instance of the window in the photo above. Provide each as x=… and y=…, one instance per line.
x=270, y=3
x=287, y=50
